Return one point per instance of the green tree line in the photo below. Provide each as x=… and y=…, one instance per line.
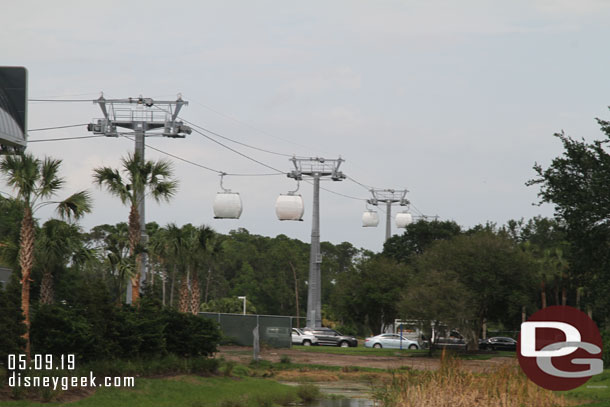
x=473, y=279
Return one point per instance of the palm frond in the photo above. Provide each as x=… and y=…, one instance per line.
x=159, y=171
x=112, y=180
x=164, y=191
x=21, y=173
x=75, y=206
x=133, y=167
x=50, y=181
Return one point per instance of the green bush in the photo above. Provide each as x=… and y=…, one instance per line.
x=228, y=370
x=285, y=399
x=203, y=366
x=241, y=402
x=348, y=329
x=58, y=330
x=190, y=335
x=123, y=332
x=308, y=392
x=11, y=321
x=606, y=347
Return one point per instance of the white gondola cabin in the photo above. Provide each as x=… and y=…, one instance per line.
x=403, y=219
x=227, y=205
x=370, y=219
x=289, y=207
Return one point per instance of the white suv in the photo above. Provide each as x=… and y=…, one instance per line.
x=301, y=338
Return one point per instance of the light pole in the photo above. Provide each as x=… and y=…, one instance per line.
x=243, y=298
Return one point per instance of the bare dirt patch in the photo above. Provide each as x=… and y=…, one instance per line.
x=244, y=355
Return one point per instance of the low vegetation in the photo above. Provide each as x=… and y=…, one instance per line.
x=362, y=351
x=452, y=385
x=186, y=391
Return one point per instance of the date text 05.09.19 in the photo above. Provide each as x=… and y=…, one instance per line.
x=41, y=362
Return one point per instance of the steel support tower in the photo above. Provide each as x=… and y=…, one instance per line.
x=389, y=197
x=140, y=115
x=315, y=168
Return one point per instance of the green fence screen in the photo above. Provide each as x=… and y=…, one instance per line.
x=273, y=330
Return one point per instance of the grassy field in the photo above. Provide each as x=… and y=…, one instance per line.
x=362, y=351
x=254, y=385
x=596, y=391
x=188, y=391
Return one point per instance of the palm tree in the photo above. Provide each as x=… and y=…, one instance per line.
x=58, y=243
x=111, y=245
x=553, y=267
x=186, y=249
x=188, y=245
x=174, y=251
x=201, y=246
x=157, y=249
x=35, y=182
x=213, y=249
x=153, y=178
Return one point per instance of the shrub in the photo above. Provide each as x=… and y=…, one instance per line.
x=242, y=402
x=451, y=385
x=606, y=347
x=57, y=330
x=308, y=392
x=190, y=335
x=11, y=321
x=228, y=368
x=203, y=366
x=285, y=399
x=123, y=332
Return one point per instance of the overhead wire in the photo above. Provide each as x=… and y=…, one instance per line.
x=200, y=130
x=225, y=137
x=201, y=165
x=247, y=124
x=337, y=193
x=60, y=100
x=237, y=142
x=237, y=152
x=368, y=188
x=57, y=127
x=343, y=195
x=67, y=96
x=64, y=138
x=248, y=157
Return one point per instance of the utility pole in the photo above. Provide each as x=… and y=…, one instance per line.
x=315, y=168
x=140, y=115
x=389, y=196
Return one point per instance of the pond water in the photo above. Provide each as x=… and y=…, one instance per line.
x=351, y=394
x=342, y=403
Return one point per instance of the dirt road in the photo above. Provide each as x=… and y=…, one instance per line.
x=244, y=355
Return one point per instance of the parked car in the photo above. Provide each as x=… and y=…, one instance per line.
x=330, y=337
x=498, y=343
x=453, y=341
x=390, y=341
x=301, y=338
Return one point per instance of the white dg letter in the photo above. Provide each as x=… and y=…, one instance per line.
x=528, y=338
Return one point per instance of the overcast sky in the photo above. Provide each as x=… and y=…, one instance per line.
x=453, y=100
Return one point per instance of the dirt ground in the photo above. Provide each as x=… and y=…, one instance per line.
x=244, y=355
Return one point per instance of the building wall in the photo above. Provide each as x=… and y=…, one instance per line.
x=5, y=276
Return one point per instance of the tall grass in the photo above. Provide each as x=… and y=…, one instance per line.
x=506, y=386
